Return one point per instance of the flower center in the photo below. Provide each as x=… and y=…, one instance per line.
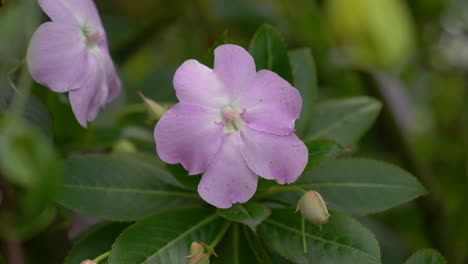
x=91, y=35
x=232, y=119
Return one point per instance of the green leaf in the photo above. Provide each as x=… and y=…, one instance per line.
x=341, y=240
x=34, y=110
x=166, y=237
x=426, y=256
x=233, y=249
x=344, y=120
x=33, y=174
x=250, y=214
x=321, y=150
x=121, y=187
x=208, y=60
x=361, y=186
x=262, y=253
x=94, y=242
x=305, y=80
x=269, y=52
x=181, y=175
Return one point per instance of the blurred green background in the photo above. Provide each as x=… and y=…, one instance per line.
x=411, y=55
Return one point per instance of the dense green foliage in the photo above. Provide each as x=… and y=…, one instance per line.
x=384, y=118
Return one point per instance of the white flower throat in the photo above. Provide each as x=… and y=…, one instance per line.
x=232, y=119
x=91, y=35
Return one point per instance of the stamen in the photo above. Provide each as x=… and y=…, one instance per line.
x=229, y=114
x=94, y=37
x=232, y=119
x=91, y=35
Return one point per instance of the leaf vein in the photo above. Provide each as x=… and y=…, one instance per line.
x=290, y=229
x=130, y=190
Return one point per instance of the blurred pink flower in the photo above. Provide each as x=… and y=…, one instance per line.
x=232, y=124
x=70, y=54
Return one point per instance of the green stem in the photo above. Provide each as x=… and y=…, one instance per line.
x=101, y=257
x=12, y=71
x=220, y=235
x=304, y=241
x=24, y=82
x=280, y=189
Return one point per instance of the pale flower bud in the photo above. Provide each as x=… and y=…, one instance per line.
x=155, y=110
x=200, y=259
x=313, y=208
x=88, y=262
x=196, y=254
x=196, y=249
x=124, y=146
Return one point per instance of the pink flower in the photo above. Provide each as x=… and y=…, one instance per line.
x=232, y=124
x=70, y=54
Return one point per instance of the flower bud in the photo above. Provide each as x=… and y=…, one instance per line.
x=200, y=259
x=155, y=110
x=196, y=249
x=88, y=262
x=196, y=254
x=124, y=146
x=313, y=208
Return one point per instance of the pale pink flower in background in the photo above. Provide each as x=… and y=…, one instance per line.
x=232, y=124
x=70, y=54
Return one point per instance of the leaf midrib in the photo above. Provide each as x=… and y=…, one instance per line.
x=320, y=238
x=355, y=185
x=130, y=190
x=181, y=236
x=246, y=213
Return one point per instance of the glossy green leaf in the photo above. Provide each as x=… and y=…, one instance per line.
x=166, y=237
x=305, y=80
x=361, y=186
x=341, y=240
x=321, y=150
x=121, y=187
x=426, y=256
x=269, y=52
x=234, y=249
x=181, y=175
x=262, y=252
x=344, y=120
x=250, y=214
x=94, y=242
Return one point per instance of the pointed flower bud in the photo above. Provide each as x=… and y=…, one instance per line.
x=313, y=208
x=155, y=110
x=196, y=254
x=88, y=262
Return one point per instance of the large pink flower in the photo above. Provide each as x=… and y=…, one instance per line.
x=70, y=54
x=232, y=124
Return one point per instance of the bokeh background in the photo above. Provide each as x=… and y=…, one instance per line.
x=411, y=55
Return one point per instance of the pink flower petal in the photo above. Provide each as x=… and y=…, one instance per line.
x=88, y=99
x=57, y=57
x=197, y=84
x=228, y=180
x=235, y=67
x=282, y=158
x=188, y=134
x=71, y=11
x=271, y=104
x=113, y=81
